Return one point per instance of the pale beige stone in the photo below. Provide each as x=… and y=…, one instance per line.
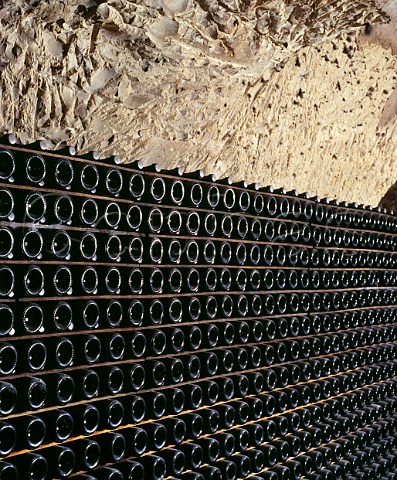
x=175, y=6
x=52, y=46
x=287, y=92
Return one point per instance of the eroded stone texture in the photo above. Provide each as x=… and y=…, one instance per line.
x=240, y=87
x=386, y=36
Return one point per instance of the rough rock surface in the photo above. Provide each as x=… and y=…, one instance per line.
x=286, y=92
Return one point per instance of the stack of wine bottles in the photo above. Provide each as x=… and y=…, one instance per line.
x=155, y=324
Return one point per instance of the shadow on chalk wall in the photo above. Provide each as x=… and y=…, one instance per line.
x=386, y=36
x=389, y=200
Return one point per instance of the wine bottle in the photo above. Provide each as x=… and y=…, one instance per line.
x=60, y=460
x=7, y=282
x=211, y=473
x=32, y=244
x=174, y=460
x=131, y=469
x=194, y=424
x=87, y=452
x=113, y=446
x=7, y=204
x=227, y=469
x=8, y=471
x=108, y=473
x=8, y=358
x=113, y=413
x=155, y=466
x=64, y=173
x=7, y=243
x=87, y=418
x=8, y=398
x=60, y=425
x=8, y=438
x=35, y=466
x=193, y=455
x=176, y=430
x=35, y=207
